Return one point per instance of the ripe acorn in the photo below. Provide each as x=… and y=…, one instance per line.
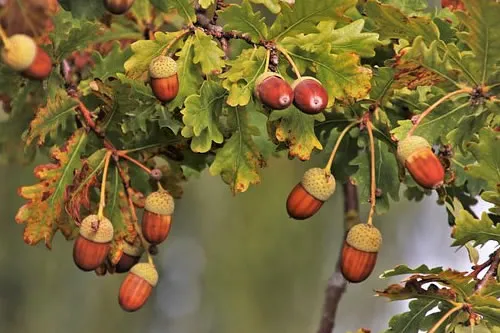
x=310, y=95
x=164, y=80
x=416, y=154
x=93, y=244
x=118, y=7
x=359, y=253
x=137, y=286
x=157, y=216
x=273, y=91
x=307, y=197
x=22, y=54
x=131, y=256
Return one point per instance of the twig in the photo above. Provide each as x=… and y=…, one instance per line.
x=336, y=283
x=134, y=161
x=495, y=262
x=174, y=41
x=479, y=268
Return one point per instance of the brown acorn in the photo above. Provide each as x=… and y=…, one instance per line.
x=307, y=197
x=137, y=286
x=22, y=54
x=131, y=255
x=273, y=91
x=93, y=243
x=309, y=95
x=164, y=80
x=416, y=154
x=157, y=216
x=118, y=7
x=359, y=253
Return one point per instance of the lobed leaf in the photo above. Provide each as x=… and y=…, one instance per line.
x=244, y=20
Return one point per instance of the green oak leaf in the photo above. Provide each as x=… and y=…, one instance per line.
x=479, y=231
x=272, y=5
x=488, y=158
x=245, y=20
x=184, y=8
x=206, y=3
x=409, y=322
x=403, y=270
x=207, y=53
x=381, y=83
x=201, y=117
x=84, y=9
x=488, y=307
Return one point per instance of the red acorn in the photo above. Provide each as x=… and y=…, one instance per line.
x=22, y=54
x=273, y=91
x=118, y=7
x=157, y=216
x=307, y=197
x=164, y=80
x=416, y=155
x=131, y=256
x=137, y=286
x=310, y=95
x=359, y=253
x=93, y=243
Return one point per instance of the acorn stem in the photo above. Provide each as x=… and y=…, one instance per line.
x=290, y=60
x=124, y=155
x=160, y=188
x=4, y=38
x=435, y=105
x=268, y=57
x=446, y=316
x=373, y=185
x=173, y=41
x=102, y=201
x=337, y=144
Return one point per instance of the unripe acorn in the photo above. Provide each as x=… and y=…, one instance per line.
x=416, y=154
x=307, y=197
x=131, y=256
x=157, y=216
x=22, y=54
x=359, y=253
x=164, y=80
x=137, y=286
x=118, y=7
x=309, y=95
x=273, y=91
x=93, y=244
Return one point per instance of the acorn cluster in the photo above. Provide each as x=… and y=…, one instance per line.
x=93, y=245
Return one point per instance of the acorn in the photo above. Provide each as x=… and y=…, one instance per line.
x=273, y=91
x=22, y=54
x=118, y=7
x=309, y=95
x=164, y=80
x=157, y=217
x=131, y=256
x=416, y=154
x=137, y=286
x=93, y=244
x=307, y=197
x=359, y=253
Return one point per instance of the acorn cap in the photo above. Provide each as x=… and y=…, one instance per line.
x=21, y=52
x=162, y=67
x=303, y=78
x=146, y=271
x=319, y=183
x=160, y=202
x=410, y=145
x=132, y=250
x=104, y=233
x=364, y=237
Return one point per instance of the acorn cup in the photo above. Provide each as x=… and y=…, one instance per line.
x=273, y=91
x=307, y=197
x=22, y=54
x=118, y=7
x=137, y=286
x=309, y=95
x=157, y=217
x=416, y=154
x=359, y=253
x=93, y=244
x=163, y=78
x=131, y=256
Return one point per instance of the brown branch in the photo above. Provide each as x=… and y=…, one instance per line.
x=336, y=283
x=495, y=262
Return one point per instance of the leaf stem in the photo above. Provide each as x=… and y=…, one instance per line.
x=102, y=201
x=124, y=155
x=4, y=38
x=446, y=316
x=337, y=144
x=435, y=105
x=373, y=185
x=290, y=60
x=174, y=41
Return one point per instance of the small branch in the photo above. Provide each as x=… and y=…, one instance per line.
x=134, y=161
x=174, y=41
x=479, y=268
x=373, y=184
x=446, y=316
x=495, y=262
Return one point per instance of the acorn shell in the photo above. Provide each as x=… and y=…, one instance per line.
x=273, y=91
x=410, y=145
x=309, y=95
x=356, y=265
x=147, y=272
x=41, y=67
x=118, y=7
x=155, y=227
x=300, y=204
